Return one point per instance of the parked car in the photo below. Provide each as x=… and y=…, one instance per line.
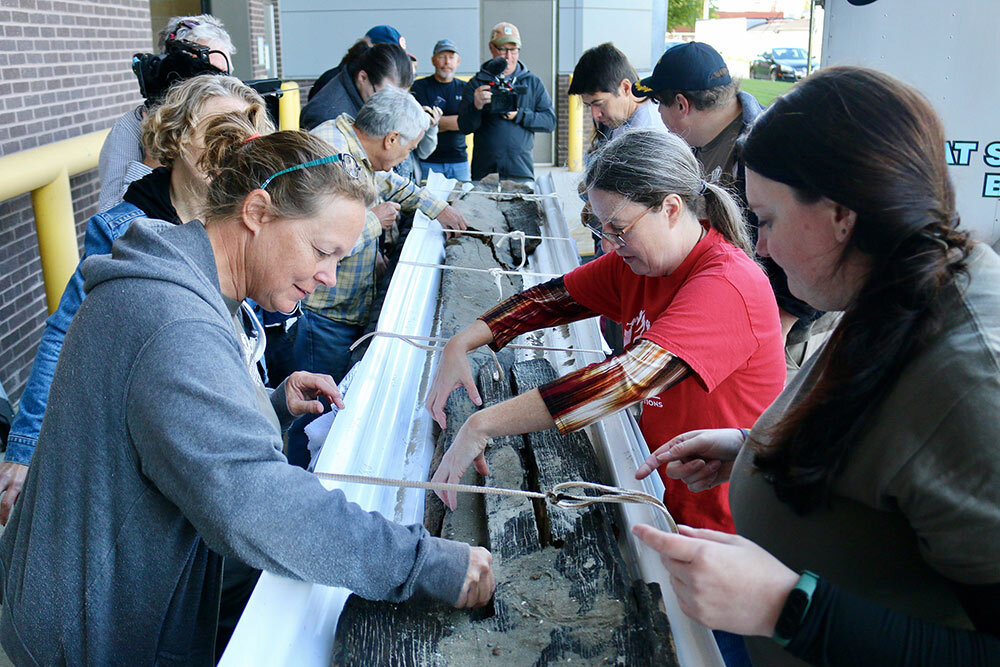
x=781, y=64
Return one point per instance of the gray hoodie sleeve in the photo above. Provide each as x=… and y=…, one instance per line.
x=428, y=143
x=192, y=418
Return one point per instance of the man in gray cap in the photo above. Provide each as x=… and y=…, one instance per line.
x=443, y=91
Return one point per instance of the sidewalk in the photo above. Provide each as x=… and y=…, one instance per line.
x=566, y=183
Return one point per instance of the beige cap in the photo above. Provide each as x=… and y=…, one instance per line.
x=505, y=33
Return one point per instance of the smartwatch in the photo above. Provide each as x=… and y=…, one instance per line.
x=796, y=606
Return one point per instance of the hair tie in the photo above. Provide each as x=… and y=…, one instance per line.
x=251, y=137
x=704, y=188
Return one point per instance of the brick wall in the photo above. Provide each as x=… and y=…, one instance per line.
x=64, y=71
x=277, y=37
x=258, y=28
x=562, y=122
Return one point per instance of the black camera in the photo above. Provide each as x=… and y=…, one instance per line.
x=182, y=60
x=505, y=93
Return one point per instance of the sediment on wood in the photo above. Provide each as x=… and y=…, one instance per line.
x=564, y=592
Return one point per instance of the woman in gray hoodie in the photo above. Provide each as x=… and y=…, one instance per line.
x=155, y=455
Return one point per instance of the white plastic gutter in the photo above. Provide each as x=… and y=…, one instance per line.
x=382, y=431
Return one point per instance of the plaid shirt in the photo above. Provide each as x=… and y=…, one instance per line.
x=351, y=298
x=588, y=394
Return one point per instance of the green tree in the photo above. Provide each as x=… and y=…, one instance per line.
x=686, y=12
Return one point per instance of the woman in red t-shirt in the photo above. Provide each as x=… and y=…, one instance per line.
x=703, y=346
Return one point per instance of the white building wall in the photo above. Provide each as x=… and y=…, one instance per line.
x=315, y=34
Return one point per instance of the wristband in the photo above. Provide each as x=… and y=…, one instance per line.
x=746, y=433
x=795, y=608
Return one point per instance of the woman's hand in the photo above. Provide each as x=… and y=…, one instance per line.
x=467, y=447
x=434, y=113
x=453, y=371
x=11, y=482
x=725, y=582
x=702, y=459
x=302, y=389
x=479, y=583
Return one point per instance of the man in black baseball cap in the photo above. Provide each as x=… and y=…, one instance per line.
x=700, y=102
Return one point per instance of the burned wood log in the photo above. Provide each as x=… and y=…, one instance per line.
x=564, y=591
x=557, y=457
x=554, y=602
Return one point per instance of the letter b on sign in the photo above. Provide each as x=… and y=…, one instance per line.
x=991, y=185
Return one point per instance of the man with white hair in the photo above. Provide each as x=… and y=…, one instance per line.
x=122, y=159
x=388, y=126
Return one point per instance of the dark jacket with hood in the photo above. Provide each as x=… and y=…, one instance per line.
x=154, y=458
x=339, y=95
x=506, y=146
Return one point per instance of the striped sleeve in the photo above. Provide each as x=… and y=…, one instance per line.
x=584, y=396
x=545, y=305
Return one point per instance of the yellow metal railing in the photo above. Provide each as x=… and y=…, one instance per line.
x=289, y=106
x=45, y=171
x=574, y=140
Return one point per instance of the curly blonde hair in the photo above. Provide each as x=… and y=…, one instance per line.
x=169, y=124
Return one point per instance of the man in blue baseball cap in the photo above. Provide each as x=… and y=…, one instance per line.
x=386, y=34
x=700, y=102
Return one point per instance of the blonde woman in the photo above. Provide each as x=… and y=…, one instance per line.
x=123, y=158
x=174, y=136
x=162, y=454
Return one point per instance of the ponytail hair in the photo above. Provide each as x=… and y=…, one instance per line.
x=238, y=161
x=356, y=51
x=381, y=62
x=644, y=165
x=171, y=123
x=872, y=144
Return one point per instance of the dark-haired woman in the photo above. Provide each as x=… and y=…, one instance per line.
x=870, y=485
x=370, y=70
x=161, y=451
x=702, y=336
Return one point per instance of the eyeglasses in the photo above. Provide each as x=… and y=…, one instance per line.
x=618, y=238
x=346, y=160
x=508, y=51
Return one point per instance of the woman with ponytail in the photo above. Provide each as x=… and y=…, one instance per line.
x=869, y=489
x=701, y=331
x=161, y=451
x=174, y=136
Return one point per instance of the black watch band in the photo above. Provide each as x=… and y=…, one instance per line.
x=795, y=609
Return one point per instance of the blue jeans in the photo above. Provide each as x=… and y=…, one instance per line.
x=458, y=170
x=733, y=649
x=322, y=345
x=103, y=229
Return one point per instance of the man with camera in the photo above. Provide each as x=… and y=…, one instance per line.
x=189, y=46
x=603, y=77
x=504, y=105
